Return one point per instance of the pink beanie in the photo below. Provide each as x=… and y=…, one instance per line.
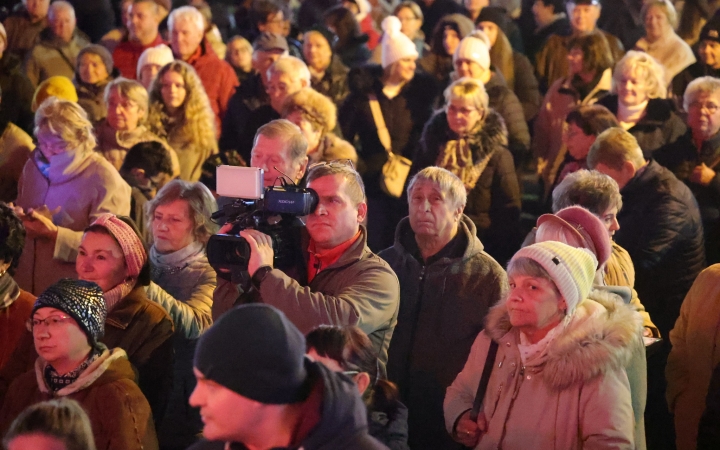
x=130, y=243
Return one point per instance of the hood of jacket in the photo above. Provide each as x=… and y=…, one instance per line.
x=404, y=233
x=111, y=365
x=459, y=22
x=48, y=38
x=597, y=339
x=490, y=134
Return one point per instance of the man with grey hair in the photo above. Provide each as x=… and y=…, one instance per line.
x=338, y=280
x=187, y=38
x=695, y=157
x=447, y=285
x=58, y=46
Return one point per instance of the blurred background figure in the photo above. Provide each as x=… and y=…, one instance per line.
x=239, y=55
x=94, y=72
x=151, y=61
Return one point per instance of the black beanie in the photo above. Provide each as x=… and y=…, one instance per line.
x=255, y=351
x=711, y=30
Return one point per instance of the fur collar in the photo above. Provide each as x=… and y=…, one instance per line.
x=598, y=339
x=491, y=134
x=89, y=376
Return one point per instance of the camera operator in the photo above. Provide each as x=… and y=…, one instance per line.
x=340, y=281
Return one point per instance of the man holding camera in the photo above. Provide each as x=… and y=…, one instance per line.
x=339, y=281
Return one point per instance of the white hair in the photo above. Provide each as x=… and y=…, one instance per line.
x=447, y=181
x=290, y=65
x=59, y=5
x=189, y=13
x=699, y=86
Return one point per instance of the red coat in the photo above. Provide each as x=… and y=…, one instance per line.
x=127, y=53
x=217, y=76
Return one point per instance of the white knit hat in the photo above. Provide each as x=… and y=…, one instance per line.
x=395, y=45
x=160, y=55
x=572, y=269
x=476, y=48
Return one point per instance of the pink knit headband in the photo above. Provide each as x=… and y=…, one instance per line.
x=130, y=243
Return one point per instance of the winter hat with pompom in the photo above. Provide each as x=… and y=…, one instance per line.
x=395, y=45
x=476, y=48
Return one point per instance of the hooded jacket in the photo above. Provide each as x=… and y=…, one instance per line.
x=443, y=304
x=334, y=417
x=574, y=395
x=119, y=414
x=494, y=203
x=51, y=56
x=437, y=62
x=83, y=187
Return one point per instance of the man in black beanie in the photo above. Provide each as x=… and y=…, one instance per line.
x=257, y=390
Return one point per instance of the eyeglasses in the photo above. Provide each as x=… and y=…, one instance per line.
x=710, y=107
x=336, y=163
x=454, y=110
x=50, y=322
x=350, y=373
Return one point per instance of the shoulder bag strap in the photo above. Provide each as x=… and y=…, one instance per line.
x=383, y=132
x=484, y=379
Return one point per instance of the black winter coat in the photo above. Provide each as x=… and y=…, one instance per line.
x=660, y=127
x=661, y=228
x=443, y=303
x=17, y=94
x=494, y=203
x=696, y=70
x=504, y=101
x=334, y=84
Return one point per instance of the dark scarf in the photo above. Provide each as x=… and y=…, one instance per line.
x=55, y=381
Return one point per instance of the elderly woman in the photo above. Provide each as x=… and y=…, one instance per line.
x=183, y=284
x=16, y=304
x=348, y=350
x=438, y=323
x=544, y=390
x=660, y=40
x=93, y=73
x=127, y=103
x=67, y=322
x=638, y=101
x=588, y=79
x=180, y=113
x=695, y=157
x=469, y=139
x=328, y=74
x=448, y=33
x=64, y=187
x=316, y=115
x=404, y=98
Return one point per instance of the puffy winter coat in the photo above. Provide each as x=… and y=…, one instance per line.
x=443, y=304
x=334, y=84
x=51, y=56
x=574, y=395
x=119, y=414
x=83, y=186
x=494, y=203
x=661, y=229
x=504, y=101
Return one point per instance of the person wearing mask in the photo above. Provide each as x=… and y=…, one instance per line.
x=447, y=285
x=638, y=101
x=328, y=75
x=551, y=62
x=180, y=114
x=187, y=31
x=468, y=139
x=348, y=350
x=445, y=40
x=555, y=393
x=708, y=63
x=143, y=22
x=94, y=72
x=183, y=284
x=240, y=54
x=57, y=47
x=405, y=97
x=16, y=88
x=25, y=25
x=67, y=323
x=151, y=61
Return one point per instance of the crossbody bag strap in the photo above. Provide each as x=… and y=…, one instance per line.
x=382, y=130
x=484, y=380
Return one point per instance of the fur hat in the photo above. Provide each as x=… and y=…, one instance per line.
x=266, y=362
x=81, y=300
x=395, y=45
x=160, y=55
x=578, y=227
x=57, y=86
x=476, y=48
x=571, y=269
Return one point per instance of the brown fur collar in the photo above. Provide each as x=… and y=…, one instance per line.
x=598, y=339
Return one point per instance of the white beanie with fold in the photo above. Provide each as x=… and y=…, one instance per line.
x=395, y=45
x=476, y=48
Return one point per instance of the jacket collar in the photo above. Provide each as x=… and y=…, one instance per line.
x=599, y=338
x=126, y=309
x=404, y=233
x=604, y=85
x=93, y=373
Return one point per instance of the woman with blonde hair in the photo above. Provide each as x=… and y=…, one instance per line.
x=638, y=101
x=660, y=40
x=470, y=140
x=124, y=126
x=180, y=112
x=316, y=115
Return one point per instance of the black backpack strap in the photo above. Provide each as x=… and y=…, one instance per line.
x=484, y=379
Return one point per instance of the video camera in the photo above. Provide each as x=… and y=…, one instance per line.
x=271, y=211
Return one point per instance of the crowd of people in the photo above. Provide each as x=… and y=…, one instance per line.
x=509, y=234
